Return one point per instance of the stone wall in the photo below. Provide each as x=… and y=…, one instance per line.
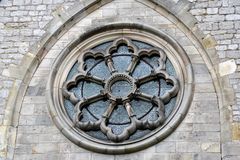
x=22, y=24
x=211, y=128
x=221, y=19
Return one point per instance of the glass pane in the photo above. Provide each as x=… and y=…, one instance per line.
x=141, y=108
x=119, y=116
x=86, y=116
x=151, y=88
x=122, y=50
x=121, y=63
x=78, y=90
x=98, y=108
x=69, y=108
x=152, y=61
x=73, y=71
x=100, y=70
x=142, y=69
x=121, y=88
x=118, y=129
x=91, y=89
x=169, y=68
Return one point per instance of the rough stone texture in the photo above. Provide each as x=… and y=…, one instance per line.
x=226, y=33
x=22, y=24
x=184, y=140
x=198, y=137
x=224, y=30
x=228, y=67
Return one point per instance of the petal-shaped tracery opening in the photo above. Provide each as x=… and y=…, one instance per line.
x=118, y=130
x=87, y=116
x=122, y=49
x=119, y=116
x=98, y=108
x=100, y=70
x=151, y=60
x=89, y=88
x=152, y=88
x=152, y=114
x=164, y=86
x=90, y=62
x=121, y=62
x=141, y=108
x=142, y=69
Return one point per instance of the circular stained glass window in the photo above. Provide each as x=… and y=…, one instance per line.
x=120, y=92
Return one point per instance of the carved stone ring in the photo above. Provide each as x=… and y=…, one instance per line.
x=121, y=88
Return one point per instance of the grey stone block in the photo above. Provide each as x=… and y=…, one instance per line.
x=207, y=156
x=156, y=156
x=166, y=147
x=227, y=10
x=45, y=148
x=211, y=147
x=18, y=2
x=234, y=2
x=37, y=129
x=212, y=10
x=134, y=156
x=226, y=25
x=231, y=158
x=35, y=120
x=206, y=127
x=188, y=147
x=230, y=149
x=200, y=69
x=181, y=156
x=23, y=149
x=96, y=156
x=27, y=139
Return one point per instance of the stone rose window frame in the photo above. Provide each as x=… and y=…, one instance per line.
x=56, y=89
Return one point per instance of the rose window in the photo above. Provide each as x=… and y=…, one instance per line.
x=120, y=90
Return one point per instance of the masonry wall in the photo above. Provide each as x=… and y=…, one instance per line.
x=207, y=132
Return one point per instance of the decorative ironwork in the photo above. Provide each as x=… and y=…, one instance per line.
x=120, y=88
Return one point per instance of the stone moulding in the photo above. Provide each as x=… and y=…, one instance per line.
x=77, y=49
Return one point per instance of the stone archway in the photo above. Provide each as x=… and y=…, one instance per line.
x=175, y=12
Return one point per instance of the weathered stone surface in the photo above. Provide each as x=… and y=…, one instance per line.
x=206, y=127
x=210, y=147
x=155, y=156
x=22, y=23
x=210, y=156
x=230, y=149
x=227, y=67
x=166, y=147
x=135, y=156
x=102, y=157
x=209, y=41
x=187, y=147
x=44, y=148
x=236, y=131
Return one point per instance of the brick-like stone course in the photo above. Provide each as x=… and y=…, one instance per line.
x=21, y=25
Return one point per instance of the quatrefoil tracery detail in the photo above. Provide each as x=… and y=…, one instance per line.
x=130, y=84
